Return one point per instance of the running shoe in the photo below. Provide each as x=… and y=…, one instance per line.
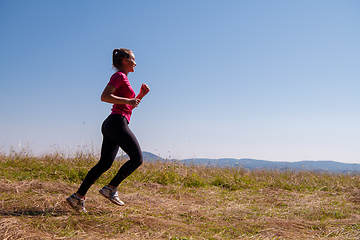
x=76, y=203
x=111, y=194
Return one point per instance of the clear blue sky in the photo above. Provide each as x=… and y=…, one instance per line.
x=275, y=80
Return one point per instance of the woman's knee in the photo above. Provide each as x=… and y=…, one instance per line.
x=137, y=159
x=140, y=160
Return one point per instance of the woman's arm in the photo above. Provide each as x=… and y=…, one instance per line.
x=109, y=97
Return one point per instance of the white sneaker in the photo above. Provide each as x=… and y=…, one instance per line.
x=111, y=194
x=76, y=203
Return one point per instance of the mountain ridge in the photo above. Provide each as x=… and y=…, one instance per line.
x=248, y=163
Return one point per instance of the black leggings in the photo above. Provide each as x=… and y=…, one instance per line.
x=116, y=132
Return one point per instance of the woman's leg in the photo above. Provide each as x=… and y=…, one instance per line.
x=125, y=138
x=116, y=132
x=109, y=150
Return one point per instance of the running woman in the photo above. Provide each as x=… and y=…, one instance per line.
x=116, y=132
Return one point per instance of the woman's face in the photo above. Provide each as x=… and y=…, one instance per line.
x=131, y=63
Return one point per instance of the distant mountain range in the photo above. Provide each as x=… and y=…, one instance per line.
x=250, y=164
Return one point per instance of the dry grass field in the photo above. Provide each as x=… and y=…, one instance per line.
x=174, y=201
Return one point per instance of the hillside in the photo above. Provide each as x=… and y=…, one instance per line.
x=170, y=200
x=251, y=164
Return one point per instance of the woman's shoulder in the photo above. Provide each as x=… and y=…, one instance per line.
x=119, y=74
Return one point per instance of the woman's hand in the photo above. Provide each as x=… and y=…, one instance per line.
x=134, y=102
x=143, y=91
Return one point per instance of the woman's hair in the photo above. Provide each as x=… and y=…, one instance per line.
x=119, y=55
